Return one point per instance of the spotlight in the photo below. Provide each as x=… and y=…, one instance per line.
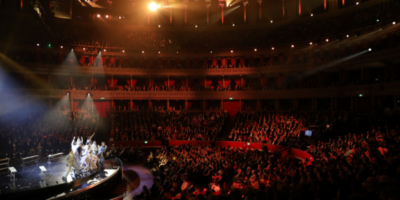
x=84, y=49
x=142, y=51
x=272, y=21
x=312, y=15
x=67, y=93
x=255, y=49
x=177, y=52
x=88, y=94
x=195, y=26
x=394, y=23
x=347, y=35
x=273, y=48
x=292, y=45
x=61, y=47
x=106, y=16
x=310, y=43
x=119, y=17
x=159, y=52
x=357, y=3
x=327, y=40
x=230, y=98
x=231, y=51
x=123, y=51
x=210, y=51
x=233, y=24
x=98, y=15
x=369, y=49
x=153, y=6
x=105, y=50
x=37, y=44
x=159, y=26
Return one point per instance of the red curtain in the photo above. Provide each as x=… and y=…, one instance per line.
x=112, y=60
x=166, y=83
x=242, y=61
x=114, y=82
x=244, y=82
x=183, y=82
x=220, y=82
x=94, y=82
x=103, y=60
x=133, y=82
x=82, y=60
x=151, y=83
x=171, y=82
x=102, y=107
x=189, y=105
x=214, y=62
x=224, y=61
x=227, y=82
x=233, y=61
x=232, y=107
x=238, y=81
x=208, y=82
x=92, y=59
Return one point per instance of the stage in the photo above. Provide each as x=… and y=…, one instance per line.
x=43, y=180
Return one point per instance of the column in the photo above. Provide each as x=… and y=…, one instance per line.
x=149, y=104
x=148, y=87
x=186, y=105
x=208, y=5
x=92, y=81
x=245, y=11
x=130, y=103
x=170, y=15
x=70, y=76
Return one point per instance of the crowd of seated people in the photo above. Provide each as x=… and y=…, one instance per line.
x=43, y=131
x=167, y=125
x=276, y=127
x=356, y=166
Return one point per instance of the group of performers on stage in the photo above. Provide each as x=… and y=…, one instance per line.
x=84, y=157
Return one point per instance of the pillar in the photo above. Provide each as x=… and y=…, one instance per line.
x=148, y=87
x=186, y=105
x=149, y=104
x=185, y=7
x=245, y=11
x=112, y=106
x=130, y=103
x=92, y=81
x=170, y=15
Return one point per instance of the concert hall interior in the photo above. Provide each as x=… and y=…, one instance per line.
x=200, y=99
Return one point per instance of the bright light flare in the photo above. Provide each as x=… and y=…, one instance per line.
x=153, y=6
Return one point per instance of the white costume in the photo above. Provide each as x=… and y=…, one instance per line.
x=75, y=150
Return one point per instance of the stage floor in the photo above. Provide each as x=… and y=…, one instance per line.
x=28, y=179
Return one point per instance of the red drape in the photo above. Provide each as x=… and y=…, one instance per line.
x=238, y=81
x=224, y=61
x=232, y=107
x=133, y=82
x=244, y=82
x=241, y=61
x=103, y=60
x=171, y=82
x=227, y=82
x=112, y=60
x=82, y=60
x=94, y=82
x=215, y=62
x=92, y=59
x=114, y=82
x=220, y=82
x=208, y=82
x=233, y=61
x=183, y=82
x=189, y=105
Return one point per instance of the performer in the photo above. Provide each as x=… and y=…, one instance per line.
x=92, y=160
x=70, y=158
x=102, y=149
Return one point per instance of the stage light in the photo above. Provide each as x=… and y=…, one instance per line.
x=310, y=43
x=327, y=40
x=146, y=142
x=98, y=15
x=37, y=44
x=360, y=95
x=119, y=17
x=123, y=51
x=312, y=15
x=357, y=3
x=106, y=16
x=177, y=52
x=88, y=94
x=272, y=21
x=105, y=50
x=142, y=51
x=153, y=6
x=159, y=52
x=195, y=26
x=255, y=49
x=231, y=51
x=159, y=26
x=394, y=23
x=67, y=93
x=61, y=47
x=230, y=98
x=369, y=49
x=273, y=48
x=347, y=35
x=72, y=49
x=210, y=51
x=84, y=49
x=233, y=24
x=292, y=45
